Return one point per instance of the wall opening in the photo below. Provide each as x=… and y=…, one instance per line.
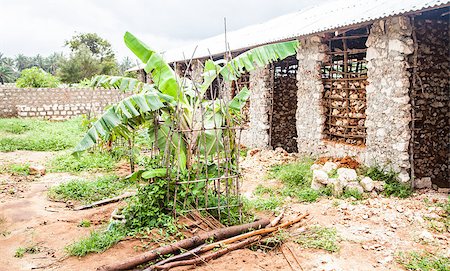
x=344, y=77
x=430, y=97
x=283, y=130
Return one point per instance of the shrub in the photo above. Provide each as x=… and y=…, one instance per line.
x=36, y=78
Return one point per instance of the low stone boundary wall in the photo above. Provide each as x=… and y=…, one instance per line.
x=55, y=103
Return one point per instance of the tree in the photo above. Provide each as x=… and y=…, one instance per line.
x=81, y=65
x=6, y=74
x=102, y=57
x=23, y=62
x=125, y=64
x=99, y=47
x=36, y=78
x=170, y=94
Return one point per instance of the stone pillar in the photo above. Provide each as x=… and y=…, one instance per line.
x=388, y=109
x=257, y=134
x=309, y=115
x=196, y=70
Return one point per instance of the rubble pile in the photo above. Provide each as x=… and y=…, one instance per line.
x=339, y=178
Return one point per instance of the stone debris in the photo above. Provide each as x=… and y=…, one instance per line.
x=329, y=166
x=37, y=170
x=355, y=186
x=347, y=174
x=320, y=176
x=347, y=178
x=421, y=183
x=367, y=184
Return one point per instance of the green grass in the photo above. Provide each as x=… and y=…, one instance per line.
x=392, y=185
x=39, y=135
x=352, y=192
x=95, y=161
x=265, y=203
x=16, y=169
x=297, y=178
x=423, y=261
x=87, y=191
x=97, y=242
x=296, y=174
x=84, y=223
x=21, y=251
x=319, y=238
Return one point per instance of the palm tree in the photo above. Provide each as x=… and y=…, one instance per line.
x=6, y=74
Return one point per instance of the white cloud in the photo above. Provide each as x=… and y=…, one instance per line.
x=31, y=27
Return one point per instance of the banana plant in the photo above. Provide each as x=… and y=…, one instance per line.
x=177, y=104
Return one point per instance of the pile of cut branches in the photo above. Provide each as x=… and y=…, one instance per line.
x=198, y=250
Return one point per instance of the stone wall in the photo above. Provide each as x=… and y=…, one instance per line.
x=284, y=105
x=310, y=113
x=54, y=103
x=257, y=134
x=430, y=94
x=388, y=109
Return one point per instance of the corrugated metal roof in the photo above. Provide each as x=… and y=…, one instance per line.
x=324, y=17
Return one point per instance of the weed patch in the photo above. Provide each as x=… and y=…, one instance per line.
x=423, y=261
x=392, y=185
x=96, y=242
x=266, y=203
x=89, y=191
x=296, y=174
x=84, y=223
x=352, y=192
x=95, y=161
x=320, y=238
x=39, y=135
x=21, y=251
x=16, y=169
x=297, y=178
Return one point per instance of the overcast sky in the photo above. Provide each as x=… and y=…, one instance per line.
x=33, y=27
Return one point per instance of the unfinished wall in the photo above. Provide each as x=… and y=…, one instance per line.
x=310, y=115
x=388, y=109
x=257, y=134
x=283, y=132
x=430, y=94
x=54, y=103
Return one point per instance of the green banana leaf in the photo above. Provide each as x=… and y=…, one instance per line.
x=163, y=76
x=129, y=112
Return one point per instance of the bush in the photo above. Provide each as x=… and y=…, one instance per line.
x=36, y=78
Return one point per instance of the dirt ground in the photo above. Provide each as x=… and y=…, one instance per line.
x=371, y=232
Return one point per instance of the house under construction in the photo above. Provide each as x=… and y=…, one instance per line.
x=370, y=80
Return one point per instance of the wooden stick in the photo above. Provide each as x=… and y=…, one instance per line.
x=194, y=241
x=276, y=220
x=207, y=247
x=207, y=257
x=105, y=201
